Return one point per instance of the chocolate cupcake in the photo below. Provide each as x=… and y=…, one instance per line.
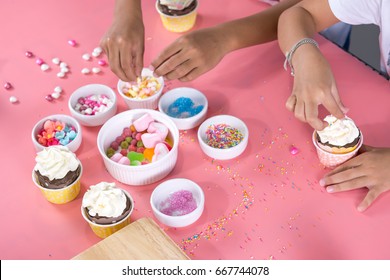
x=339, y=137
x=177, y=8
x=105, y=204
x=56, y=167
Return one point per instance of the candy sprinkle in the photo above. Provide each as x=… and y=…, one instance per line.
x=223, y=136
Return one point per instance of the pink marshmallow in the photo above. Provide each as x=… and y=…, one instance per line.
x=124, y=160
x=142, y=123
x=116, y=157
x=160, y=151
x=150, y=140
x=159, y=128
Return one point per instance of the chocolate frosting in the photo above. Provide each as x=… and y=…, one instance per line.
x=69, y=178
x=349, y=145
x=165, y=10
x=102, y=220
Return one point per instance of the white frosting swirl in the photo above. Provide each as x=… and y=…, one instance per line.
x=55, y=162
x=339, y=132
x=176, y=4
x=105, y=199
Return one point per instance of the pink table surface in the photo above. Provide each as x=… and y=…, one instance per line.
x=265, y=204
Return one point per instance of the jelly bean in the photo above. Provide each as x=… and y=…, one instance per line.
x=134, y=156
x=148, y=154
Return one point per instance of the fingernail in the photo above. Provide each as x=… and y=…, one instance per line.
x=360, y=208
x=322, y=183
x=329, y=189
x=151, y=67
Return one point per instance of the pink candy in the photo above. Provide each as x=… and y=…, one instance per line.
x=160, y=151
x=150, y=140
x=73, y=43
x=294, y=150
x=142, y=123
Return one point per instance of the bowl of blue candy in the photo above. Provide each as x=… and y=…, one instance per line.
x=187, y=107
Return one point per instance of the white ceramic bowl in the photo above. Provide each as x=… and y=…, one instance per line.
x=228, y=153
x=84, y=91
x=72, y=146
x=143, y=174
x=198, y=98
x=162, y=192
x=137, y=103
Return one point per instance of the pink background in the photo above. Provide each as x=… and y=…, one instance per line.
x=265, y=204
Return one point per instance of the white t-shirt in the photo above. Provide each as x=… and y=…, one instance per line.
x=368, y=12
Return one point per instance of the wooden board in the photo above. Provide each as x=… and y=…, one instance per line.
x=141, y=240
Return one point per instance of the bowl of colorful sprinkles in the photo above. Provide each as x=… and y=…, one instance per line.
x=139, y=146
x=143, y=93
x=187, y=107
x=223, y=137
x=177, y=202
x=93, y=104
x=58, y=129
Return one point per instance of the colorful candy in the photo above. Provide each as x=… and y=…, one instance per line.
x=93, y=104
x=223, y=136
x=56, y=133
x=143, y=88
x=143, y=142
x=7, y=85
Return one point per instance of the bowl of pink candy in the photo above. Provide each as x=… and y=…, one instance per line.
x=139, y=146
x=177, y=202
x=57, y=130
x=93, y=104
x=143, y=93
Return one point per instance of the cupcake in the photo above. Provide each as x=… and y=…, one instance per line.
x=57, y=173
x=338, y=142
x=340, y=136
x=106, y=208
x=177, y=15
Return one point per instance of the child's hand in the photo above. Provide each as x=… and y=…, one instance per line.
x=190, y=55
x=314, y=85
x=124, y=46
x=369, y=169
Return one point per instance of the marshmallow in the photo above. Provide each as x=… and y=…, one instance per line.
x=150, y=140
x=116, y=157
x=160, y=151
x=158, y=128
x=124, y=160
x=142, y=123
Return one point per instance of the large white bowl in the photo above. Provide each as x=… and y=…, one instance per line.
x=72, y=146
x=197, y=98
x=98, y=119
x=143, y=174
x=223, y=154
x=146, y=103
x=165, y=189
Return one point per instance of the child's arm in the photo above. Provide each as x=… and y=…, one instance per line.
x=314, y=83
x=124, y=41
x=199, y=51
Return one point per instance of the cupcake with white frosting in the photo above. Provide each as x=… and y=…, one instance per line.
x=57, y=173
x=106, y=208
x=338, y=142
x=340, y=136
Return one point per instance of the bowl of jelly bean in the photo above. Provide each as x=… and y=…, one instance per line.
x=93, y=104
x=139, y=146
x=57, y=129
x=187, y=107
x=177, y=202
x=223, y=137
x=143, y=93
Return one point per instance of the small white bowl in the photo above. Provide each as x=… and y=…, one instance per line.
x=146, y=103
x=162, y=192
x=72, y=146
x=198, y=98
x=142, y=174
x=228, y=153
x=84, y=91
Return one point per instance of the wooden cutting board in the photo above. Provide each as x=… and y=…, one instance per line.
x=140, y=240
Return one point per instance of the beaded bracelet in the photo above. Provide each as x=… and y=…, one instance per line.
x=293, y=49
